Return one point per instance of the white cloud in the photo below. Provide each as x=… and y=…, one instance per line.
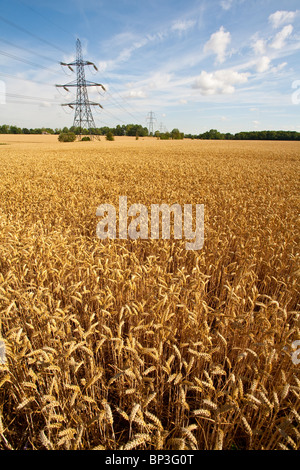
x=279, y=18
x=135, y=43
x=259, y=46
x=182, y=25
x=279, y=67
x=279, y=41
x=45, y=104
x=159, y=80
x=263, y=64
x=219, y=82
x=226, y=4
x=218, y=44
x=136, y=94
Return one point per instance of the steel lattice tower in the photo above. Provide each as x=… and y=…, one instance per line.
x=151, y=119
x=83, y=118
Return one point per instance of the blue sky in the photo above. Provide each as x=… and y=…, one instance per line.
x=231, y=65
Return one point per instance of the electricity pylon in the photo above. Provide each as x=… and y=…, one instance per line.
x=83, y=118
x=151, y=118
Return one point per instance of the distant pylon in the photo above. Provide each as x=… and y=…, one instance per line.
x=151, y=119
x=162, y=128
x=83, y=118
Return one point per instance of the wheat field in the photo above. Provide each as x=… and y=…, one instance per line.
x=142, y=344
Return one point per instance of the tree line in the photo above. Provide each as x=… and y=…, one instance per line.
x=135, y=130
x=250, y=135
x=138, y=130
x=128, y=129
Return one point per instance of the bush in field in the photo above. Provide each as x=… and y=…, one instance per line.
x=110, y=136
x=67, y=137
x=86, y=138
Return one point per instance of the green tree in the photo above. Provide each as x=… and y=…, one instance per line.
x=165, y=136
x=104, y=130
x=214, y=134
x=176, y=134
x=119, y=130
x=134, y=129
x=67, y=137
x=4, y=129
x=15, y=130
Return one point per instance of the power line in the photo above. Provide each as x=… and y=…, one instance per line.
x=47, y=58
x=45, y=17
x=24, y=103
x=27, y=50
x=35, y=98
x=111, y=114
x=119, y=106
x=122, y=107
x=122, y=98
x=11, y=23
x=20, y=28
x=2, y=74
x=25, y=61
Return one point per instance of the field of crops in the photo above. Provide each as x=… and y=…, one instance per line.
x=142, y=344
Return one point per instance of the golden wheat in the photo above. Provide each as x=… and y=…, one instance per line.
x=142, y=344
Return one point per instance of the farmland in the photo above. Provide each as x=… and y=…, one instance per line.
x=142, y=344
